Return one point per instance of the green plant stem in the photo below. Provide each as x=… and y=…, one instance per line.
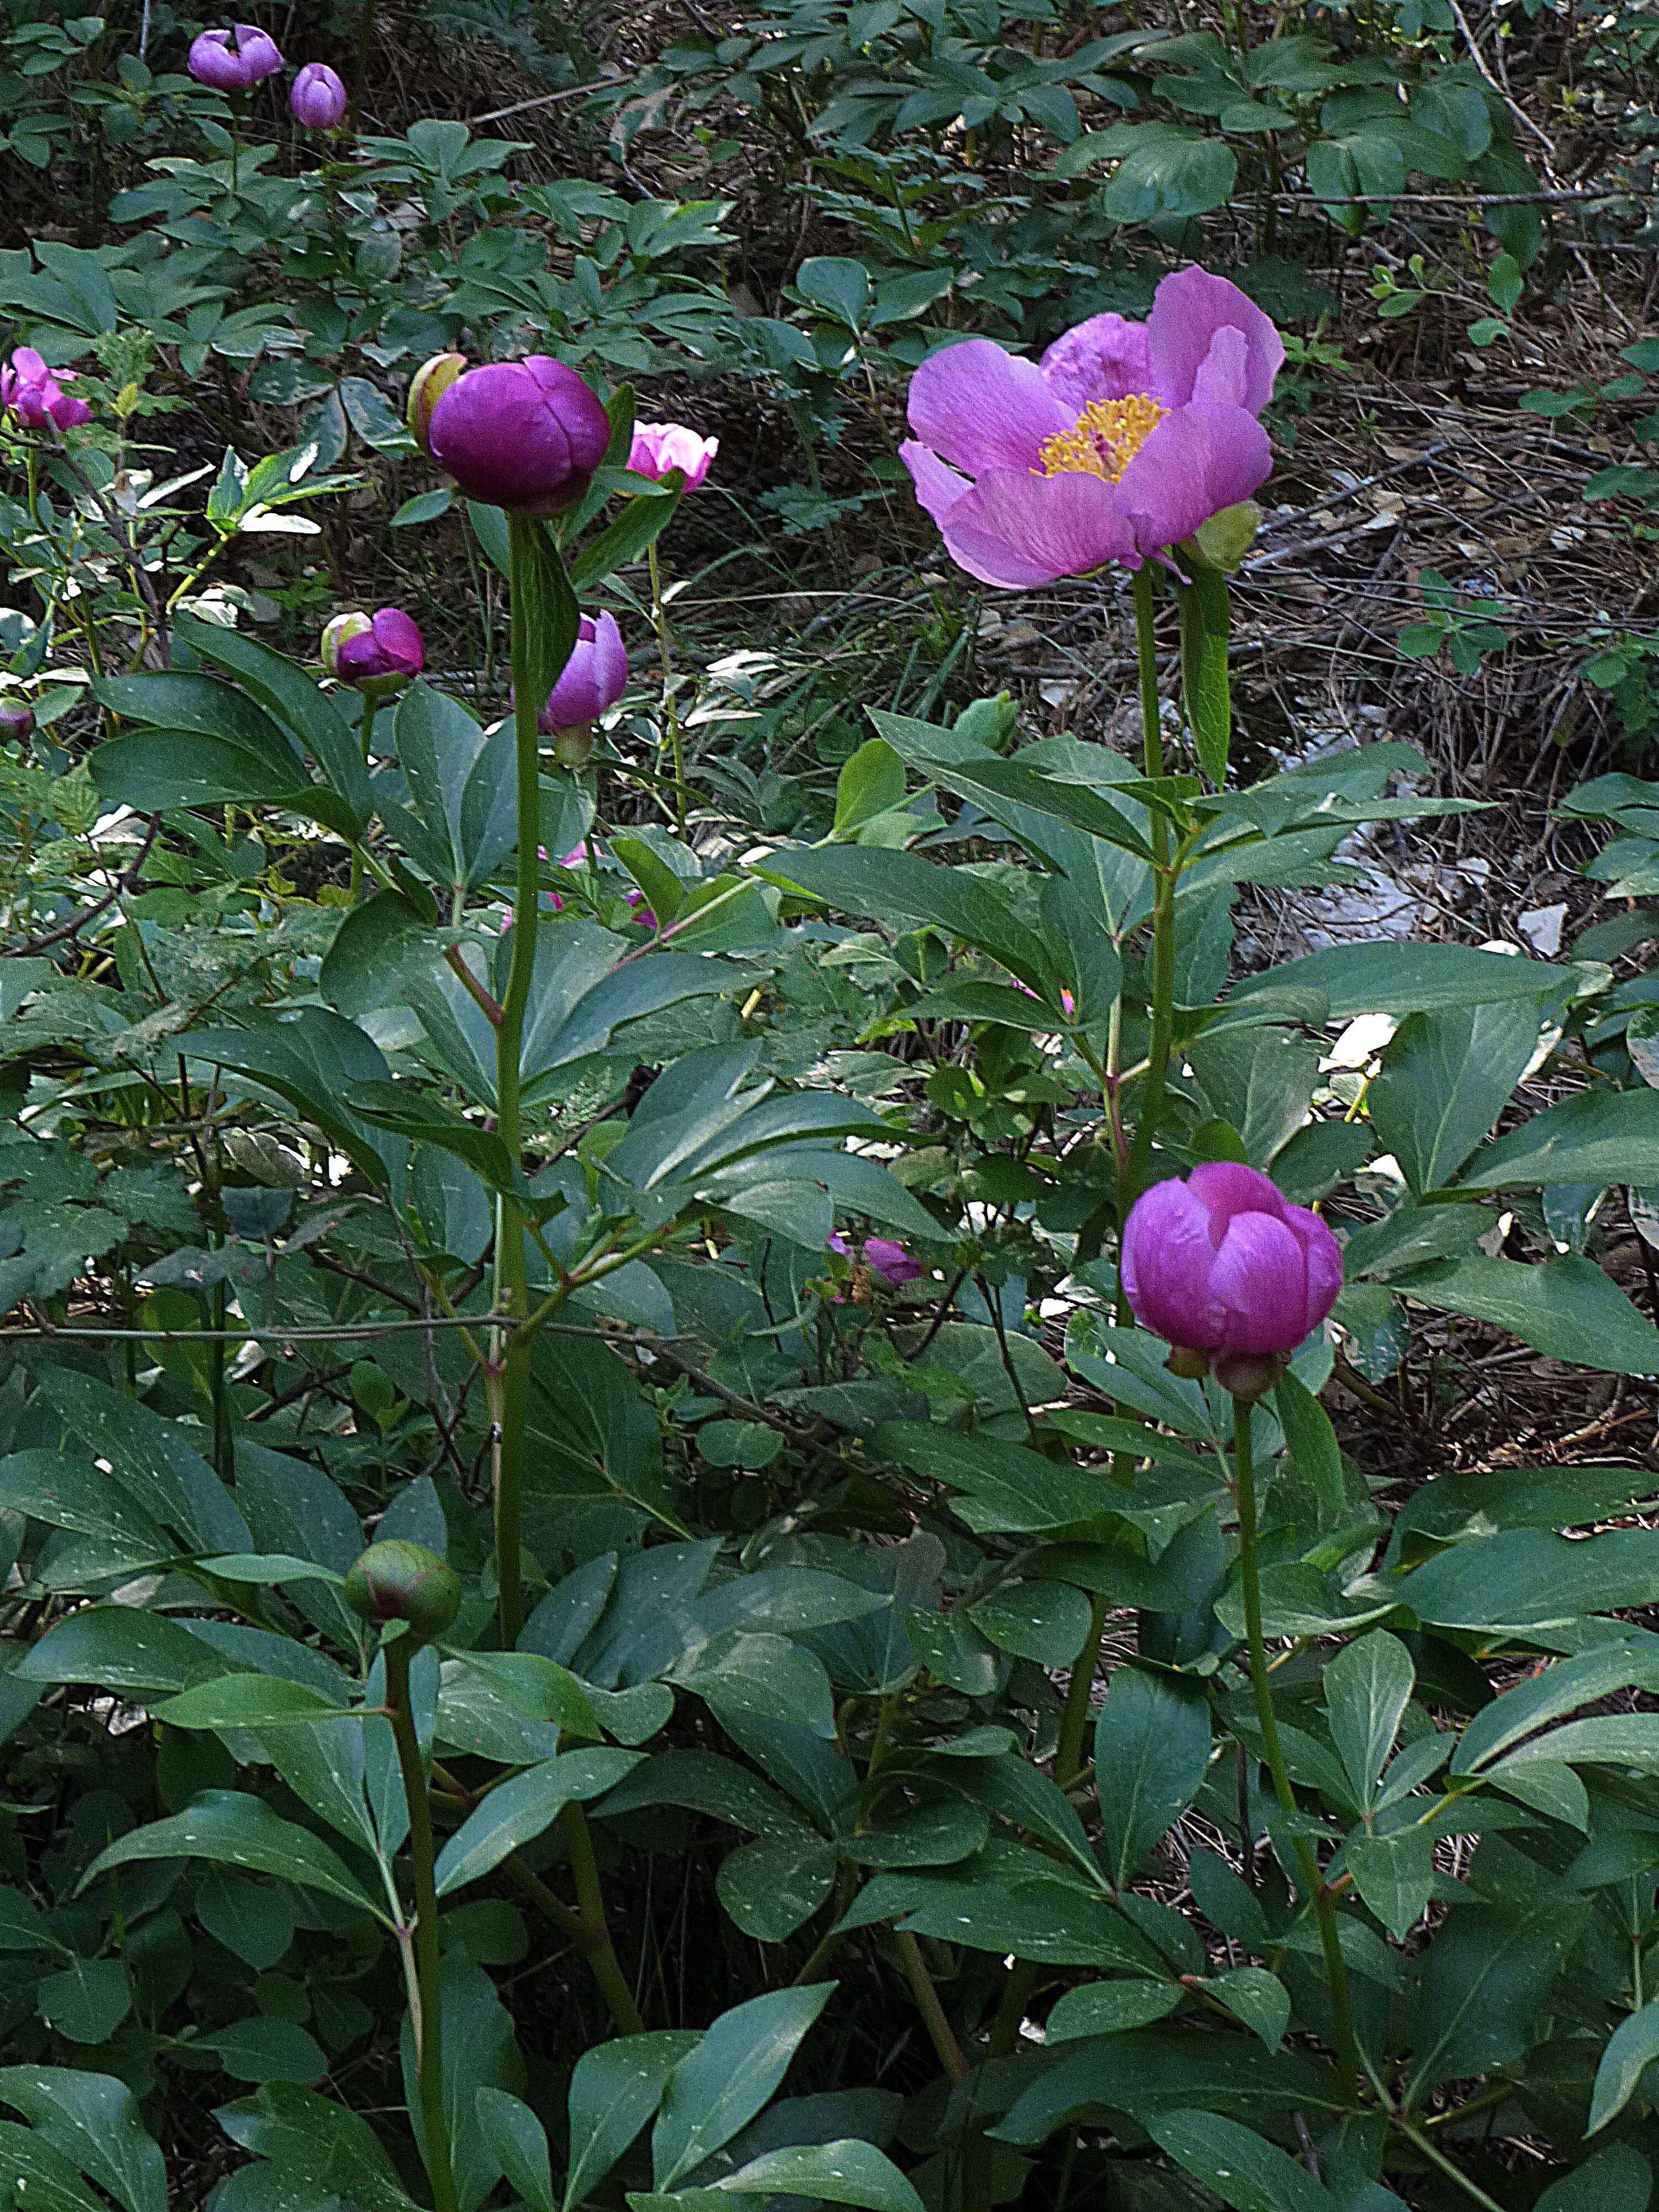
x=1250, y=1569
x=1164, y=875
x=600, y=1951
x=665, y=650
x=1074, y=1719
x=428, y=2020
x=509, y=1373
x=940, y=2032
x=1472, y=2189
x=365, y=736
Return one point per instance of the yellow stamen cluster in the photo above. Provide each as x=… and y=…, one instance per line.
x=1105, y=437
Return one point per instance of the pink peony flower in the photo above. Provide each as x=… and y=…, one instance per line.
x=34, y=395
x=1117, y=445
x=659, y=447
x=215, y=60
x=1223, y=1263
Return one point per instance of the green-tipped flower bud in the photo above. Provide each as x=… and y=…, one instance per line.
x=399, y=1581
x=427, y=387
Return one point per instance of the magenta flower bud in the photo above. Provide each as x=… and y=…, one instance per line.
x=318, y=99
x=1223, y=1264
x=374, y=653
x=890, y=1263
x=659, y=447
x=215, y=60
x=523, y=434
x=400, y=1581
x=16, y=716
x=34, y=397
x=595, y=676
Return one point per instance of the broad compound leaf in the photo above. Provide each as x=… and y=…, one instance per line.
x=1631, y=2051
x=614, y=2091
x=242, y=1831
x=1151, y=1748
x=93, y=2120
x=1245, y=2170
x=844, y=2172
x=724, y=2083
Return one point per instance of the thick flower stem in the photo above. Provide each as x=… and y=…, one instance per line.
x=510, y=1382
x=1250, y=1569
x=428, y=2019
x=1134, y=1179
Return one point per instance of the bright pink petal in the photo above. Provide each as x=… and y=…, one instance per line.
x=1227, y=1187
x=1166, y=1265
x=1323, y=1256
x=937, y=487
x=1260, y=1274
x=1105, y=358
x=1016, y=529
x=1199, y=459
x=981, y=408
x=1188, y=311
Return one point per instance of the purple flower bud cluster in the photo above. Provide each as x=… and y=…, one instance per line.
x=888, y=1261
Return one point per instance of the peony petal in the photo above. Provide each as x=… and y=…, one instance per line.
x=1188, y=311
x=1260, y=1274
x=609, y=659
x=1016, y=529
x=1105, y=358
x=1199, y=459
x=1223, y=378
x=937, y=487
x=1166, y=1264
x=1228, y=1187
x=980, y=408
x=1323, y=1256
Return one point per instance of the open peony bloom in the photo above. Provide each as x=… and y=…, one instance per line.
x=34, y=395
x=318, y=100
x=595, y=676
x=659, y=447
x=374, y=653
x=1117, y=445
x=522, y=435
x=1224, y=1264
x=234, y=61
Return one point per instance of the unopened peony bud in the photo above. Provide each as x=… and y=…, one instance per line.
x=1223, y=1265
x=525, y=435
x=399, y=1580
x=16, y=716
x=592, y=680
x=318, y=99
x=376, y=655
